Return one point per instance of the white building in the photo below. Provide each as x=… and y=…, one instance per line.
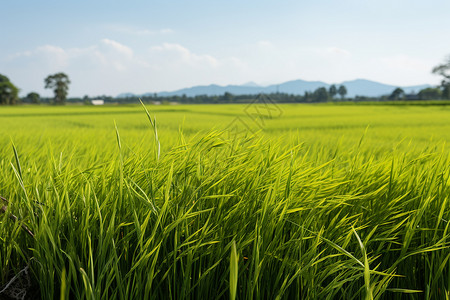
x=98, y=102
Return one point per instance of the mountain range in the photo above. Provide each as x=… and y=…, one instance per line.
x=358, y=87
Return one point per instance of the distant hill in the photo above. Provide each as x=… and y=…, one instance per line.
x=363, y=87
x=126, y=95
x=358, y=87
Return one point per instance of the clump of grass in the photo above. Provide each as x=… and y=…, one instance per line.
x=214, y=218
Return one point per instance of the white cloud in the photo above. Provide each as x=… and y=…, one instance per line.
x=107, y=52
x=20, y=54
x=139, y=31
x=264, y=43
x=177, y=53
x=399, y=70
x=166, y=31
x=338, y=51
x=405, y=62
x=52, y=55
x=111, y=67
x=122, y=49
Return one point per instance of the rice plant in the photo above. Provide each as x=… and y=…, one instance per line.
x=206, y=216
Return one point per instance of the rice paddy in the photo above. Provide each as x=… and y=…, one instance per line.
x=225, y=202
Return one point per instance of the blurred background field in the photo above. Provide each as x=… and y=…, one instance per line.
x=383, y=127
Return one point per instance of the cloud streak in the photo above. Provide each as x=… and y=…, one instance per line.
x=111, y=67
x=176, y=54
x=127, y=30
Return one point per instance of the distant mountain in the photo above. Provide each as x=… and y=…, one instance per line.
x=363, y=87
x=126, y=95
x=251, y=83
x=358, y=87
x=296, y=86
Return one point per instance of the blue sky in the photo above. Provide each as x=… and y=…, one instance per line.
x=110, y=47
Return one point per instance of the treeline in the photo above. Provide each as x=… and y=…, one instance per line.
x=320, y=95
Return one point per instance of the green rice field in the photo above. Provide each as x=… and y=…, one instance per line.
x=225, y=202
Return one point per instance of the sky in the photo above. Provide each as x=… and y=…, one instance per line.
x=111, y=47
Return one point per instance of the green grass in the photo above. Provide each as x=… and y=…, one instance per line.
x=322, y=202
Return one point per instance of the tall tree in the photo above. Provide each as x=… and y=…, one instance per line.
x=444, y=71
x=8, y=91
x=342, y=91
x=321, y=95
x=446, y=92
x=34, y=98
x=307, y=97
x=397, y=94
x=332, y=91
x=59, y=82
x=228, y=97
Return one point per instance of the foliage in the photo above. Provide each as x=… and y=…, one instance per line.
x=8, y=91
x=227, y=97
x=397, y=94
x=332, y=91
x=34, y=98
x=59, y=82
x=430, y=94
x=444, y=71
x=320, y=95
x=278, y=97
x=446, y=91
x=342, y=91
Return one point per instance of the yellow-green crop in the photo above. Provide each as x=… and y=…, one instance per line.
x=322, y=202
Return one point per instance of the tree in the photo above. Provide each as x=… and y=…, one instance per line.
x=446, y=92
x=34, y=98
x=430, y=94
x=332, y=91
x=86, y=100
x=320, y=95
x=342, y=91
x=444, y=71
x=397, y=94
x=228, y=97
x=8, y=91
x=59, y=82
x=307, y=97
